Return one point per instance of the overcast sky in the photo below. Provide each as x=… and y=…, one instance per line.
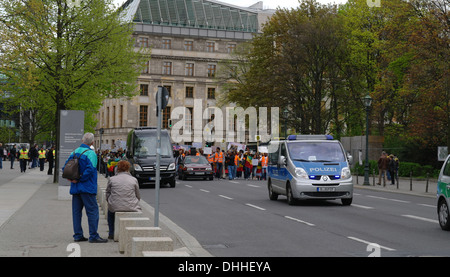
x=270, y=4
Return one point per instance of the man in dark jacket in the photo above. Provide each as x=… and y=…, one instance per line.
x=383, y=165
x=84, y=191
x=50, y=156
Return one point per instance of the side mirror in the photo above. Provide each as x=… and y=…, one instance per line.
x=282, y=160
x=350, y=159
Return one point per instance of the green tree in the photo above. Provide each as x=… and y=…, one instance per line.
x=293, y=63
x=62, y=57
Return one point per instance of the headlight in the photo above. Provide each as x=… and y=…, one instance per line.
x=345, y=173
x=300, y=172
x=137, y=167
x=171, y=166
x=190, y=169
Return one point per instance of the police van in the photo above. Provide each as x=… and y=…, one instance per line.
x=309, y=167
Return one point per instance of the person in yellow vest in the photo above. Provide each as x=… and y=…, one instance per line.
x=219, y=159
x=264, y=162
x=23, y=158
x=41, y=156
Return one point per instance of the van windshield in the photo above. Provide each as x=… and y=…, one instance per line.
x=316, y=151
x=145, y=145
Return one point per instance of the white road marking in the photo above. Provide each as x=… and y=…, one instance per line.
x=298, y=220
x=256, y=207
x=226, y=197
x=255, y=186
x=189, y=186
x=204, y=190
x=427, y=205
x=234, y=182
x=390, y=199
x=367, y=242
x=421, y=218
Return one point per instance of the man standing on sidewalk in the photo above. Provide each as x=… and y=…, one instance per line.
x=84, y=191
x=383, y=165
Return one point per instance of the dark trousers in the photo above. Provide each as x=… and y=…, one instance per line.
x=89, y=202
x=111, y=220
x=50, y=168
x=23, y=165
x=41, y=164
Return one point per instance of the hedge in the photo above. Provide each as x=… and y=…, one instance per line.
x=418, y=171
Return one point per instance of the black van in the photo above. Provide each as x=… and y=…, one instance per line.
x=141, y=153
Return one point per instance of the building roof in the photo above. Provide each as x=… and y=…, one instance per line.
x=204, y=14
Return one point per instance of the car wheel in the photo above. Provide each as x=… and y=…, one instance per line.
x=289, y=195
x=347, y=201
x=272, y=194
x=172, y=183
x=443, y=213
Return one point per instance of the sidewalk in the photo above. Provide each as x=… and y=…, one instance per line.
x=405, y=185
x=34, y=223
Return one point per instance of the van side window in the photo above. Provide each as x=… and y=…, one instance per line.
x=447, y=168
x=273, y=153
x=283, y=150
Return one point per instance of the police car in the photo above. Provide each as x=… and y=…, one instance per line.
x=309, y=167
x=443, y=194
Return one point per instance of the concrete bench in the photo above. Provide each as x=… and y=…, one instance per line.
x=117, y=217
x=131, y=232
x=140, y=244
x=130, y=222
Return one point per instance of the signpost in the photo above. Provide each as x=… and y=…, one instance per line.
x=71, y=131
x=162, y=98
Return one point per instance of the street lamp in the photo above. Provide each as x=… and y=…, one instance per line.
x=285, y=114
x=367, y=103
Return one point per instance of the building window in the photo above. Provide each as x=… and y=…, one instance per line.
x=143, y=89
x=169, y=90
x=189, y=122
x=143, y=116
x=188, y=45
x=121, y=116
x=143, y=42
x=189, y=92
x=167, y=68
x=231, y=47
x=211, y=70
x=146, y=68
x=166, y=44
x=189, y=69
x=114, y=116
x=107, y=117
x=166, y=116
x=210, y=46
x=211, y=93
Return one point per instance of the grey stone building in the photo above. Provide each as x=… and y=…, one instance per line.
x=187, y=39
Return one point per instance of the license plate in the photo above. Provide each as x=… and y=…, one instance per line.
x=325, y=189
x=199, y=173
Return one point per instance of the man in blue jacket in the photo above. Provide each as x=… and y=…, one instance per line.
x=84, y=191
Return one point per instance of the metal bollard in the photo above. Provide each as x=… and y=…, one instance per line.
x=410, y=180
x=426, y=187
x=373, y=174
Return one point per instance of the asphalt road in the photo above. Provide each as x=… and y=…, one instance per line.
x=237, y=219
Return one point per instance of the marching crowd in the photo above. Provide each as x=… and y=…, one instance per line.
x=234, y=164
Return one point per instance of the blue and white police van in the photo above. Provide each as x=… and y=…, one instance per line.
x=309, y=167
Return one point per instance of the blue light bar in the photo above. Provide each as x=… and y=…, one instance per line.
x=310, y=137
